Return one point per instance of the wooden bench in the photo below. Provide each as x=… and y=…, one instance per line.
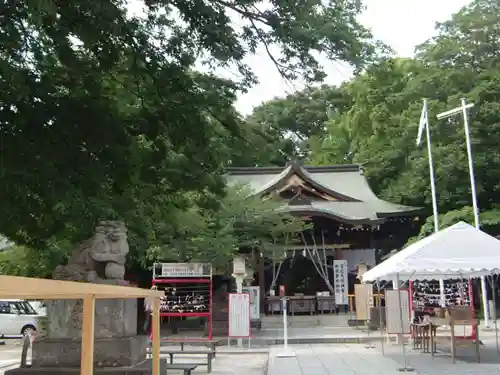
x=212, y=344
x=187, y=368
x=171, y=353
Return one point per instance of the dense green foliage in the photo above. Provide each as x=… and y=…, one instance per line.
x=103, y=114
x=373, y=118
x=240, y=223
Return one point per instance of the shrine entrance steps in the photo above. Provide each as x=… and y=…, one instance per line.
x=307, y=321
x=312, y=329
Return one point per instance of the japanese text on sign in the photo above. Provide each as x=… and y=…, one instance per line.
x=186, y=269
x=239, y=315
x=341, y=282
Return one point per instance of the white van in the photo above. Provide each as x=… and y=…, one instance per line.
x=17, y=317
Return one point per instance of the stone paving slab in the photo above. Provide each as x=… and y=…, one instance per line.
x=10, y=355
x=226, y=364
x=355, y=359
x=338, y=359
x=441, y=363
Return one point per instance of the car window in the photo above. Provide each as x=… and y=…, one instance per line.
x=21, y=307
x=27, y=308
x=4, y=307
x=13, y=308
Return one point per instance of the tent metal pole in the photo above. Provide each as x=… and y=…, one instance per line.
x=492, y=280
x=381, y=326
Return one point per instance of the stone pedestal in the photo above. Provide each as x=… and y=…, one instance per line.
x=113, y=318
x=116, y=343
x=108, y=352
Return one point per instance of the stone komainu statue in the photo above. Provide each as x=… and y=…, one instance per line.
x=100, y=259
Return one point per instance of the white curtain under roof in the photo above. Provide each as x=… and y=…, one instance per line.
x=459, y=251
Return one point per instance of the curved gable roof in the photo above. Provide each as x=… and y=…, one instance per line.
x=265, y=180
x=357, y=203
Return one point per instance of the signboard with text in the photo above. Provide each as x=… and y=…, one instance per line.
x=174, y=270
x=254, y=292
x=239, y=315
x=341, y=282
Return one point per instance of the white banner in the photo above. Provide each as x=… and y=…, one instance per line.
x=341, y=282
x=239, y=315
x=254, y=292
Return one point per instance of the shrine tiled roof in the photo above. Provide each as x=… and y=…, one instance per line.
x=352, y=199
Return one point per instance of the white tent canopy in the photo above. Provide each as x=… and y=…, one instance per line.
x=459, y=251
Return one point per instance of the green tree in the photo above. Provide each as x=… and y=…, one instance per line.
x=380, y=127
x=28, y=262
x=290, y=124
x=490, y=221
x=372, y=119
x=103, y=115
x=242, y=222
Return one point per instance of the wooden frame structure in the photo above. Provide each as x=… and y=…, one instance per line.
x=201, y=276
x=34, y=288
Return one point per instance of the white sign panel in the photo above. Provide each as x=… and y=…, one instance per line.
x=239, y=315
x=254, y=292
x=186, y=270
x=392, y=311
x=341, y=282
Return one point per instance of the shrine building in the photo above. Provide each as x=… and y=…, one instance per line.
x=351, y=228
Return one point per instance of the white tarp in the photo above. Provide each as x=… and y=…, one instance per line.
x=459, y=251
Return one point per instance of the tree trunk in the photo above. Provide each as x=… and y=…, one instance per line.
x=313, y=256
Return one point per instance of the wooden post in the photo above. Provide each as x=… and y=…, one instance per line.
x=156, y=336
x=87, y=355
x=262, y=284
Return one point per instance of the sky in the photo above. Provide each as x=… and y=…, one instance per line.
x=402, y=24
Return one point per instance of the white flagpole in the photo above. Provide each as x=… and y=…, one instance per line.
x=424, y=121
x=452, y=112
x=475, y=207
x=471, y=163
x=431, y=168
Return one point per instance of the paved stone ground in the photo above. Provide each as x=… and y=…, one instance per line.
x=10, y=355
x=239, y=364
x=441, y=364
x=355, y=359
x=338, y=359
x=229, y=361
